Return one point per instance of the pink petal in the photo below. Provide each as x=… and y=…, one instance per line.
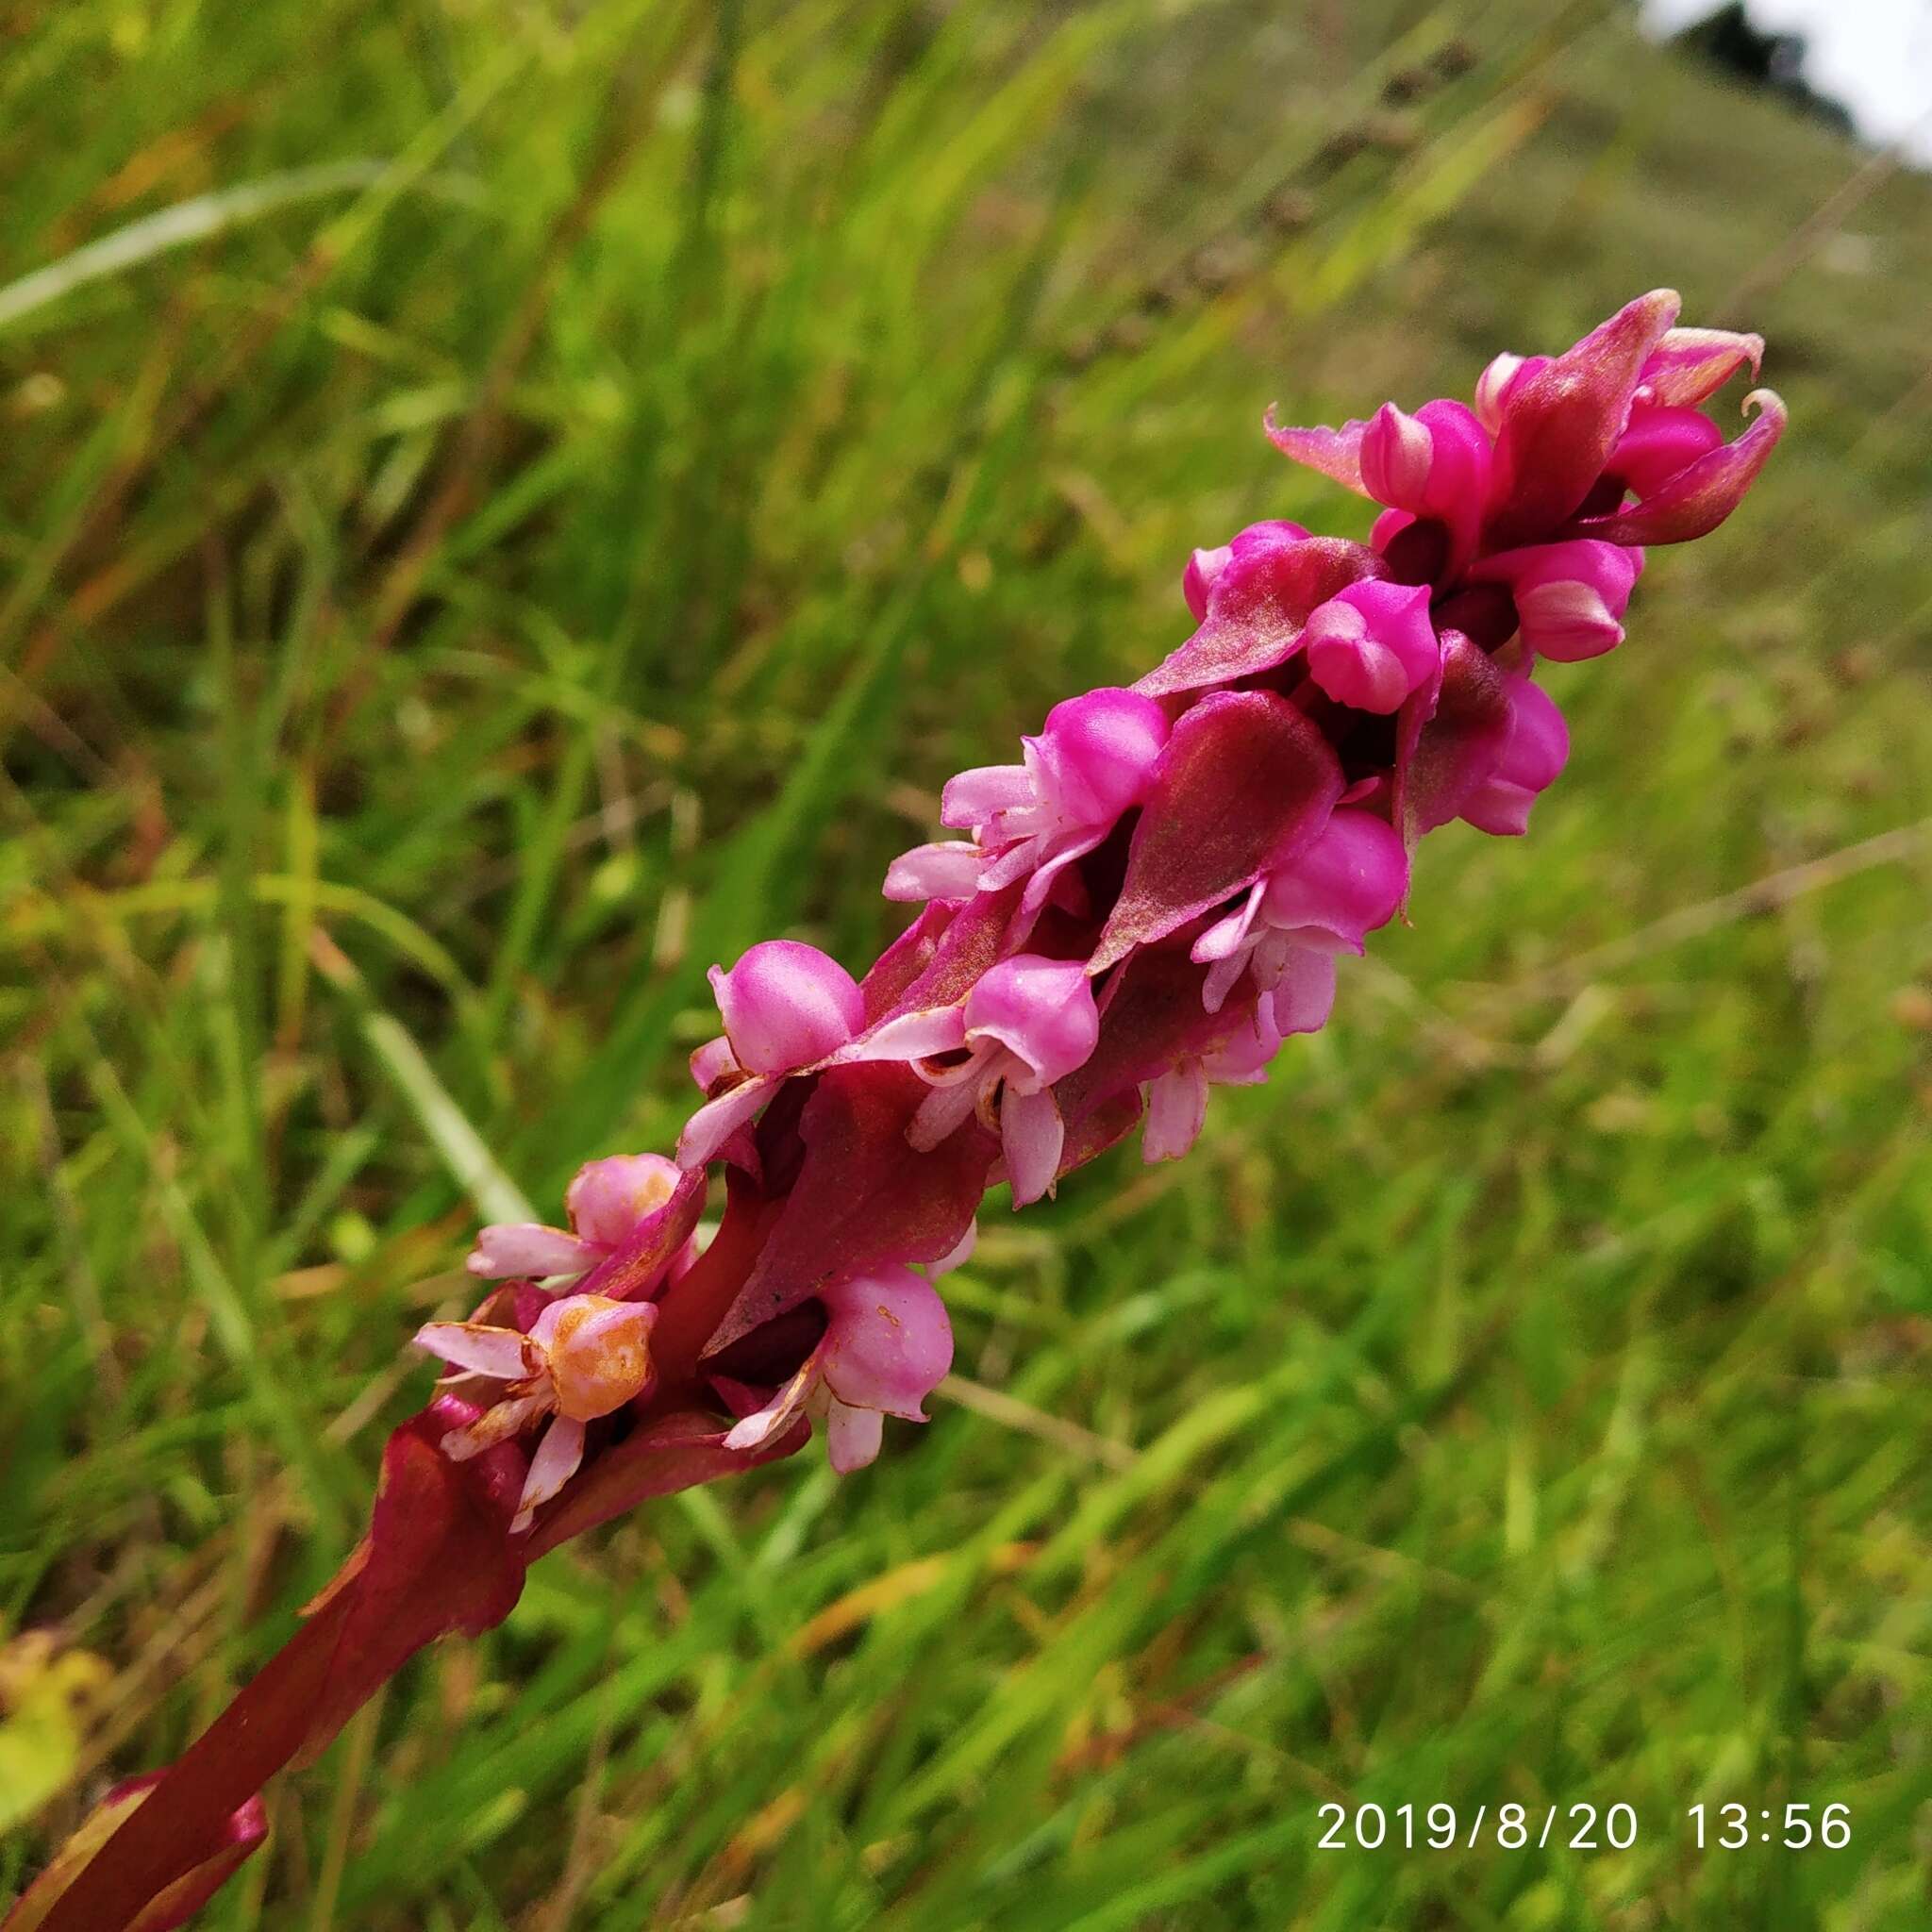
x=915, y=1036
x=1534, y=752
x=852, y=1438
x=1658, y=444
x=1223, y=975
x=1302, y=994
x=787, y=1402
x=1060, y=853
x=1246, y=780
x=1561, y=422
x=1176, y=1112
x=888, y=1342
x=947, y=870
x=1206, y=566
x=652, y=1251
x=787, y=1005
x=1031, y=1135
x=1348, y=882
x=973, y=797
x=1690, y=364
x=510, y=1248
x=713, y=1062
x=1039, y=1009
x=1335, y=453
x=1699, y=498
x=607, y=1198
x=1098, y=752
x=1257, y=606
x=958, y=1257
x=1448, y=738
x=494, y=1426
x=944, y=1110
x=1371, y=646
x=501, y=1353
x=1227, y=936
x=555, y=1462
x=716, y=1121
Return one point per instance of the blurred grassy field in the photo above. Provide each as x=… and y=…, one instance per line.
x=564, y=491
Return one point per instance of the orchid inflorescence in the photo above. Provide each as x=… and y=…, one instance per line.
x=1144, y=906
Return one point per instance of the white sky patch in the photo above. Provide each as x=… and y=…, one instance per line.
x=1876, y=56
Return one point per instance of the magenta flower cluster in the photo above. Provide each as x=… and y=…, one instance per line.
x=1145, y=906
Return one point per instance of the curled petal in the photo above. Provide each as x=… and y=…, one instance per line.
x=948, y=869
x=1226, y=937
x=1031, y=1135
x=1690, y=364
x=888, y=1343
x=915, y=1036
x=1700, y=496
x=1493, y=384
x=607, y=1198
x=555, y=1462
x=1205, y=567
x=715, y=1121
x=494, y=1426
x=502, y=1353
x=1052, y=861
x=786, y=1005
x=713, y=1062
x=511, y=1248
x=787, y=1404
x=1176, y=1112
x=1560, y=423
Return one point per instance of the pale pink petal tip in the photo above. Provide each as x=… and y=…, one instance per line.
x=479, y=1348
x=507, y=1249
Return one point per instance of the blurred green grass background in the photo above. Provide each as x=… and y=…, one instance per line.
x=549, y=504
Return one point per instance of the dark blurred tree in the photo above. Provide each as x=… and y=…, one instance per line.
x=1730, y=40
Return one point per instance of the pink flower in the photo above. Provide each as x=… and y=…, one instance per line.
x=1092, y=761
x=584, y=1356
x=1570, y=597
x=1433, y=467
x=1206, y=568
x=887, y=1346
x=785, y=1006
x=1328, y=899
x=606, y=1202
x=1371, y=646
x=1177, y=1099
x=1534, y=752
x=1028, y=1023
